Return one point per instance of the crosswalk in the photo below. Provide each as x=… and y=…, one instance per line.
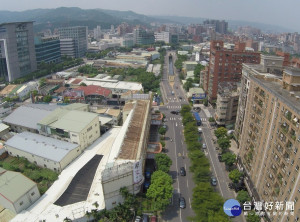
x=180, y=118
x=174, y=118
x=174, y=107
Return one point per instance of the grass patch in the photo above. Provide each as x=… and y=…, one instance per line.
x=42, y=176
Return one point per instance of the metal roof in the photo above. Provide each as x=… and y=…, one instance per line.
x=69, y=120
x=14, y=185
x=26, y=116
x=46, y=147
x=3, y=127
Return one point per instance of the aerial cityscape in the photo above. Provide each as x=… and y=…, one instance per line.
x=160, y=111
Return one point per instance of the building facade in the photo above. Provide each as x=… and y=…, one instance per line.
x=47, y=49
x=162, y=37
x=17, y=192
x=142, y=37
x=78, y=35
x=267, y=131
x=226, y=66
x=227, y=104
x=17, y=52
x=72, y=126
x=43, y=151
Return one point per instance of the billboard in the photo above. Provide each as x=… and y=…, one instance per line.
x=137, y=172
x=199, y=96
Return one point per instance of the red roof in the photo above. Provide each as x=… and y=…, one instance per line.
x=76, y=81
x=94, y=90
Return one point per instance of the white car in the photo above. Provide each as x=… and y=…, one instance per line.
x=204, y=146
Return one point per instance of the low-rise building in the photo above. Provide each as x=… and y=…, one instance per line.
x=73, y=126
x=196, y=95
x=23, y=92
x=17, y=192
x=189, y=66
x=227, y=104
x=43, y=151
x=115, y=114
x=26, y=117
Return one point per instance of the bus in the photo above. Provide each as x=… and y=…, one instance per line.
x=197, y=118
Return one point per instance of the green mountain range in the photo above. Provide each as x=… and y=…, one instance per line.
x=72, y=16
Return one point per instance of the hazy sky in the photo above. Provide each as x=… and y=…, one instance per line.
x=277, y=12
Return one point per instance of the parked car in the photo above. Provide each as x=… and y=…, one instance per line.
x=146, y=184
x=204, y=146
x=145, y=218
x=180, y=97
x=182, y=204
x=213, y=181
x=153, y=219
x=220, y=157
x=182, y=171
x=138, y=219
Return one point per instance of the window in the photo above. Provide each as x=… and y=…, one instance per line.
x=45, y=165
x=32, y=193
x=297, y=168
x=21, y=203
x=89, y=129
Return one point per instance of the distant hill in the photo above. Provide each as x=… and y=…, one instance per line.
x=72, y=16
x=60, y=17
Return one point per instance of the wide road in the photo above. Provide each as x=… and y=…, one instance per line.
x=176, y=148
x=177, y=151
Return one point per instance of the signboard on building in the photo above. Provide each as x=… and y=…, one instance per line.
x=137, y=172
x=199, y=96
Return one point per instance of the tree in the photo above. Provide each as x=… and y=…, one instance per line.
x=163, y=162
x=160, y=190
x=235, y=175
x=253, y=217
x=162, y=130
x=211, y=119
x=229, y=158
x=42, y=82
x=224, y=143
x=205, y=102
x=243, y=196
x=185, y=109
x=83, y=84
x=188, y=84
x=220, y=132
x=47, y=99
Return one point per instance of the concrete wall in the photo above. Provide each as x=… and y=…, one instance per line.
x=43, y=162
x=27, y=199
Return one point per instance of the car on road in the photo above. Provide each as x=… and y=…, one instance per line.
x=204, y=146
x=213, y=181
x=182, y=171
x=180, y=97
x=175, y=112
x=220, y=157
x=182, y=204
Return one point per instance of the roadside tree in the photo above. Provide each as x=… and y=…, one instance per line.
x=229, y=158
x=163, y=162
x=160, y=190
x=220, y=132
x=243, y=196
x=235, y=175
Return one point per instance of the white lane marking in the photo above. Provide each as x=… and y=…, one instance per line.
x=213, y=165
x=190, y=203
x=176, y=161
x=176, y=124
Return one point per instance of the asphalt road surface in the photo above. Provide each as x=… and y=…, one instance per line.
x=177, y=151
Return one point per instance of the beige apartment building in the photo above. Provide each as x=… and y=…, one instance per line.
x=227, y=104
x=267, y=130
